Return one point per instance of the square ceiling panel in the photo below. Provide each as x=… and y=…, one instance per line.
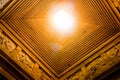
x=94, y=25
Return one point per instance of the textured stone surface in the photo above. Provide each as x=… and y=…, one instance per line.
x=5, y=43
x=25, y=61
x=21, y=58
x=102, y=63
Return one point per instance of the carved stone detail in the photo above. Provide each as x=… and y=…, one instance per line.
x=21, y=58
x=24, y=60
x=6, y=43
x=38, y=73
x=27, y=64
x=102, y=63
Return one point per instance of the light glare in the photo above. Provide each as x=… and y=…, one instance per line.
x=63, y=22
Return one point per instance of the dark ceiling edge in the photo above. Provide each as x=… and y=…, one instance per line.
x=10, y=66
x=111, y=73
x=2, y=77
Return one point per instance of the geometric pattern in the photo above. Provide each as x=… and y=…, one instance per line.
x=26, y=21
x=115, y=6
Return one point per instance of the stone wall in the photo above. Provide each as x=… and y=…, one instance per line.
x=102, y=63
x=17, y=54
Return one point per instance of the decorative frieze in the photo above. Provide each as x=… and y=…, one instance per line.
x=102, y=63
x=5, y=43
x=21, y=58
x=38, y=73
x=25, y=61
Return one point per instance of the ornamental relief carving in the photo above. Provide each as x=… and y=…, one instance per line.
x=6, y=44
x=102, y=63
x=21, y=58
x=24, y=60
x=38, y=73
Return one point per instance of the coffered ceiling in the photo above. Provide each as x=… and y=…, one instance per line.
x=97, y=22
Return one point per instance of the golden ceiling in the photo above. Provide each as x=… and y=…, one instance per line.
x=98, y=21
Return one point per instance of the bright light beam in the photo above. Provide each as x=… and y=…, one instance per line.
x=63, y=22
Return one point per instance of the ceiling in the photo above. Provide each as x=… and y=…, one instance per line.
x=97, y=22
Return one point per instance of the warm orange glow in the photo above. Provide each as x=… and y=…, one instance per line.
x=62, y=19
x=63, y=22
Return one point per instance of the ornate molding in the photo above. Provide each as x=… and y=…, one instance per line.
x=109, y=27
x=5, y=43
x=82, y=44
x=9, y=47
x=102, y=63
